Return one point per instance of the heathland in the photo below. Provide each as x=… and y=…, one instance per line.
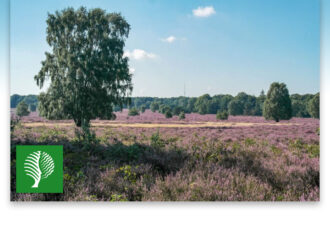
x=199, y=158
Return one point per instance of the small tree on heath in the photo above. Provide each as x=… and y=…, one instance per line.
x=22, y=109
x=277, y=105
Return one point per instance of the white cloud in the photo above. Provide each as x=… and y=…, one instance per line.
x=131, y=70
x=139, y=54
x=170, y=39
x=203, y=11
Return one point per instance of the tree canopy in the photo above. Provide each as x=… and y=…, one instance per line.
x=220, y=102
x=277, y=105
x=314, y=106
x=22, y=109
x=87, y=71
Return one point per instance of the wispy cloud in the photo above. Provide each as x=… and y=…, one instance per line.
x=203, y=12
x=170, y=39
x=139, y=54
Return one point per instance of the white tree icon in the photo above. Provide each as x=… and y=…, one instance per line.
x=39, y=165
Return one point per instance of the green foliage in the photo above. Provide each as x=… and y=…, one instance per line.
x=275, y=150
x=156, y=141
x=22, y=109
x=86, y=137
x=300, y=104
x=143, y=108
x=116, y=197
x=260, y=103
x=250, y=142
x=202, y=104
x=29, y=100
x=168, y=114
x=244, y=104
x=177, y=110
x=51, y=135
x=87, y=70
x=314, y=106
x=15, y=99
x=235, y=108
x=164, y=108
x=299, y=109
x=133, y=112
x=222, y=115
x=154, y=106
x=313, y=150
x=32, y=107
x=182, y=116
x=14, y=122
x=127, y=173
x=278, y=103
x=191, y=105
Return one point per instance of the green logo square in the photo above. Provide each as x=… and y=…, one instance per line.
x=39, y=169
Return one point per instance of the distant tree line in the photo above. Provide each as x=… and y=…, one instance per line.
x=30, y=100
x=305, y=105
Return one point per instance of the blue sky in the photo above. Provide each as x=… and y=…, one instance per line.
x=210, y=46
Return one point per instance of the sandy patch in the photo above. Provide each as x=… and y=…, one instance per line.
x=158, y=125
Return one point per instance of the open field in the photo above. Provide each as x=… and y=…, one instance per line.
x=156, y=125
x=149, y=157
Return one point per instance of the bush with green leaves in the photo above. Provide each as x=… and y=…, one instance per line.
x=133, y=112
x=14, y=122
x=177, y=110
x=164, y=108
x=168, y=114
x=277, y=105
x=202, y=104
x=154, y=106
x=22, y=109
x=182, y=116
x=222, y=115
x=314, y=106
x=143, y=108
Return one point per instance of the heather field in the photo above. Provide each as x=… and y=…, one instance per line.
x=151, y=158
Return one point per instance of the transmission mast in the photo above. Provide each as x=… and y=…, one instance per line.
x=184, y=89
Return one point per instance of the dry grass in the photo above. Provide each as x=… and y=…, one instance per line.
x=157, y=125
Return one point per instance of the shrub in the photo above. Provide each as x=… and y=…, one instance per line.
x=164, y=108
x=14, y=122
x=168, y=114
x=133, y=112
x=154, y=106
x=177, y=110
x=222, y=115
x=22, y=109
x=182, y=116
x=143, y=108
x=314, y=106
